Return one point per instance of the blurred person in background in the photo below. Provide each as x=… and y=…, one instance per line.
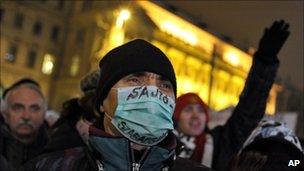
x=3, y=161
x=271, y=146
x=134, y=98
x=70, y=131
x=214, y=148
x=23, y=133
x=51, y=117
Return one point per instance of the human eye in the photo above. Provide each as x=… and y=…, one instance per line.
x=201, y=109
x=134, y=80
x=35, y=108
x=17, y=107
x=188, y=109
x=167, y=85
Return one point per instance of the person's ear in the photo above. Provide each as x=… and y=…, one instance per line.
x=4, y=114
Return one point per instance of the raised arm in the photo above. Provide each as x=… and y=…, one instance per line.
x=252, y=103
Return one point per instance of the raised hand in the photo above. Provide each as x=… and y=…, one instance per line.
x=272, y=41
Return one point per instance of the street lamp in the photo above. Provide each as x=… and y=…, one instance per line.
x=122, y=17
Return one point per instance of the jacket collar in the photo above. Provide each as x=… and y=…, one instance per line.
x=168, y=143
x=116, y=153
x=42, y=136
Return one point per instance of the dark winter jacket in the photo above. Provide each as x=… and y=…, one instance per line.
x=66, y=151
x=14, y=153
x=3, y=163
x=228, y=139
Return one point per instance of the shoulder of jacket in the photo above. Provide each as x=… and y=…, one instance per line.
x=69, y=159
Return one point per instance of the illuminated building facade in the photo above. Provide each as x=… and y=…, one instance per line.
x=32, y=37
x=203, y=63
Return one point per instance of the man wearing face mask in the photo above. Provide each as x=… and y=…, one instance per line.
x=135, y=98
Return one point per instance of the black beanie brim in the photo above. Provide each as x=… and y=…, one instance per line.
x=135, y=56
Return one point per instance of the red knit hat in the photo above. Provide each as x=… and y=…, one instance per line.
x=186, y=99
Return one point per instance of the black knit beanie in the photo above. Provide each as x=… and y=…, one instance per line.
x=19, y=83
x=135, y=56
x=90, y=82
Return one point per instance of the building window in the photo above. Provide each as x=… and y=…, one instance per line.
x=87, y=5
x=60, y=4
x=1, y=14
x=31, y=59
x=74, y=65
x=80, y=36
x=48, y=64
x=37, y=28
x=18, y=22
x=55, y=33
x=11, y=54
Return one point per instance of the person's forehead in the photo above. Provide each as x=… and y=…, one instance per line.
x=24, y=95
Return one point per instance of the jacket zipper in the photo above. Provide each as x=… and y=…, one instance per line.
x=99, y=165
x=135, y=165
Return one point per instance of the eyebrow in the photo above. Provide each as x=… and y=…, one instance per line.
x=35, y=105
x=162, y=78
x=14, y=105
x=17, y=104
x=20, y=104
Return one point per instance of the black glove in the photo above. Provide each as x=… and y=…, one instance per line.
x=272, y=41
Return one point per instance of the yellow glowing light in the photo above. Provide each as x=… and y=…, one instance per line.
x=75, y=66
x=271, y=102
x=188, y=85
x=122, y=17
x=48, y=64
x=177, y=31
x=232, y=58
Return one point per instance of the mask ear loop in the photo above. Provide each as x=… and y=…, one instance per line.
x=106, y=115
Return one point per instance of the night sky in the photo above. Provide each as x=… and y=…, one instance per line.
x=244, y=22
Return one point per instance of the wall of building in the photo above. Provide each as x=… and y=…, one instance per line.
x=34, y=28
x=87, y=30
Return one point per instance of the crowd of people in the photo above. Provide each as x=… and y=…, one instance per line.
x=130, y=118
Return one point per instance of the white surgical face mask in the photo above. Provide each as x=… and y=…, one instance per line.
x=143, y=114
